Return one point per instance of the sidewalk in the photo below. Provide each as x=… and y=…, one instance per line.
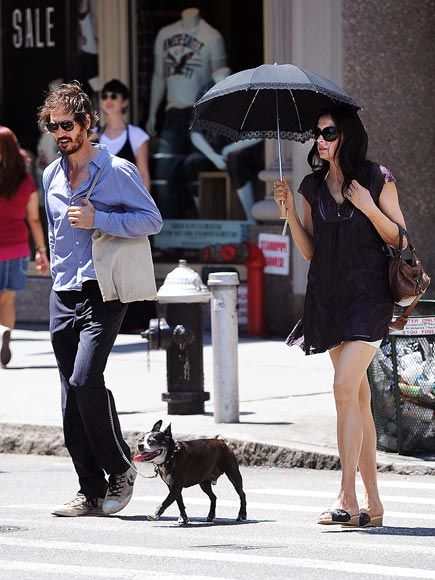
x=287, y=413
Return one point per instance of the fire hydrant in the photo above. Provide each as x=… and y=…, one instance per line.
x=180, y=334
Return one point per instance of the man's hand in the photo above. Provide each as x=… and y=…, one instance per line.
x=82, y=216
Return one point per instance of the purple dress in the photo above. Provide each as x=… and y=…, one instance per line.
x=348, y=293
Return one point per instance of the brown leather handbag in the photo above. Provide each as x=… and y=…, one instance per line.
x=408, y=280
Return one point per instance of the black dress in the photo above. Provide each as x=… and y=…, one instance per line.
x=348, y=294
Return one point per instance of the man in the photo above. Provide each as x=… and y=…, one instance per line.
x=83, y=327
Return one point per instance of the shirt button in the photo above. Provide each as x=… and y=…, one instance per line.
x=77, y=243
x=80, y=261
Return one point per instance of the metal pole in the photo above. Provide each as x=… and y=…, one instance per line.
x=224, y=335
x=282, y=208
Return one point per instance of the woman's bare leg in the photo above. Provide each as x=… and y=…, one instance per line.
x=350, y=361
x=367, y=459
x=7, y=308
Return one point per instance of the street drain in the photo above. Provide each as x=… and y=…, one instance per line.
x=7, y=529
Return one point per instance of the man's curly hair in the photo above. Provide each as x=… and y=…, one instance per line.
x=70, y=98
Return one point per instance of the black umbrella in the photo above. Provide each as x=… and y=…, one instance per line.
x=268, y=102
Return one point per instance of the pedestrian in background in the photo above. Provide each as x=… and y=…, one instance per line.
x=121, y=138
x=350, y=210
x=19, y=203
x=83, y=327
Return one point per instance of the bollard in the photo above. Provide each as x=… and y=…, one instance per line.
x=224, y=333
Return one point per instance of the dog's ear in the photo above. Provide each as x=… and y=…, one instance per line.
x=157, y=426
x=168, y=431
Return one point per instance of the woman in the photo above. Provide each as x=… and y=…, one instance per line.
x=350, y=210
x=19, y=202
x=122, y=139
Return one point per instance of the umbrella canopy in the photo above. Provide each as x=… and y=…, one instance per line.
x=248, y=104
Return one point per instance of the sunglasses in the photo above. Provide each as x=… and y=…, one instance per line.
x=65, y=125
x=112, y=96
x=328, y=133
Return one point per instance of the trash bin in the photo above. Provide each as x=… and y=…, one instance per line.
x=402, y=383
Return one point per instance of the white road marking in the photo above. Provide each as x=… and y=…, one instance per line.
x=155, y=500
x=307, y=509
x=221, y=556
x=330, y=540
x=404, y=499
x=95, y=571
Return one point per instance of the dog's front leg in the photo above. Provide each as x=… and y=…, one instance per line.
x=172, y=496
x=183, y=519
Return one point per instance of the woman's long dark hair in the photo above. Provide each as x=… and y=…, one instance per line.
x=352, y=147
x=12, y=163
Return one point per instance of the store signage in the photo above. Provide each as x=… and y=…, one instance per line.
x=276, y=250
x=33, y=27
x=423, y=325
x=201, y=233
x=37, y=45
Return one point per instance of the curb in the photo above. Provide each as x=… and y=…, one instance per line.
x=48, y=440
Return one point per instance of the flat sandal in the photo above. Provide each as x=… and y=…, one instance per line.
x=338, y=517
x=366, y=521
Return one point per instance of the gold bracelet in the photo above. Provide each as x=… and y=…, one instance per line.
x=41, y=250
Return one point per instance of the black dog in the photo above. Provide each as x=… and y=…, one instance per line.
x=186, y=463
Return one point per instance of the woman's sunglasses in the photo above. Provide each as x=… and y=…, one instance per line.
x=65, y=125
x=112, y=96
x=328, y=133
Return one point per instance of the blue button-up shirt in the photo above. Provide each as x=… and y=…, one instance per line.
x=123, y=207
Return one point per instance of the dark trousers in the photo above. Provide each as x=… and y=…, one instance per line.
x=83, y=329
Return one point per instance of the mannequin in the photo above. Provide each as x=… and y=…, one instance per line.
x=185, y=55
x=88, y=44
x=225, y=157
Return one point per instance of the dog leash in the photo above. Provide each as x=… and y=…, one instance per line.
x=121, y=450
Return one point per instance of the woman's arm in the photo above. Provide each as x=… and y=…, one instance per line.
x=142, y=164
x=32, y=215
x=302, y=233
x=386, y=216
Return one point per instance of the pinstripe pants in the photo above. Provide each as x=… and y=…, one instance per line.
x=83, y=329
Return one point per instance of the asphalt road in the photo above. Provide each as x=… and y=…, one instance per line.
x=279, y=540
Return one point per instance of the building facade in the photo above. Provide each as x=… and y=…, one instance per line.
x=381, y=53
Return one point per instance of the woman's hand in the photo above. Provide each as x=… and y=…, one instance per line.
x=283, y=195
x=41, y=260
x=360, y=197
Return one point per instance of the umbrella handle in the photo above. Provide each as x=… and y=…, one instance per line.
x=282, y=208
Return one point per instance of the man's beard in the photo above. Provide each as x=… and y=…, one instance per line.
x=73, y=146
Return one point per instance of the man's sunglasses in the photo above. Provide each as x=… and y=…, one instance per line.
x=112, y=96
x=65, y=125
x=328, y=133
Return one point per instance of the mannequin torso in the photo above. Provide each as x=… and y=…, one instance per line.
x=186, y=53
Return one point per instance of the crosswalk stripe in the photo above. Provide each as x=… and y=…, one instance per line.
x=278, y=507
x=220, y=556
x=405, y=484
x=95, y=571
x=332, y=495
x=106, y=525
x=307, y=509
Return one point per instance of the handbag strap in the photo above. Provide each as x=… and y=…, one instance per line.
x=402, y=233
x=96, y=178
x=393, y=253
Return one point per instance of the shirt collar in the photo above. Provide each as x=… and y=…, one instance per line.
x=98, y=160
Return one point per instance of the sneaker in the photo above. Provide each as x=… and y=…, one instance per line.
x=80, y=506
x=120, y=491
x=5, y=351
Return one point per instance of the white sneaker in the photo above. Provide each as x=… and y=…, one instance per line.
x=80, y=506
x=120, y=491
x=5, y=351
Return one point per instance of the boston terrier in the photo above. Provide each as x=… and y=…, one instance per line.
x=185, y=463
